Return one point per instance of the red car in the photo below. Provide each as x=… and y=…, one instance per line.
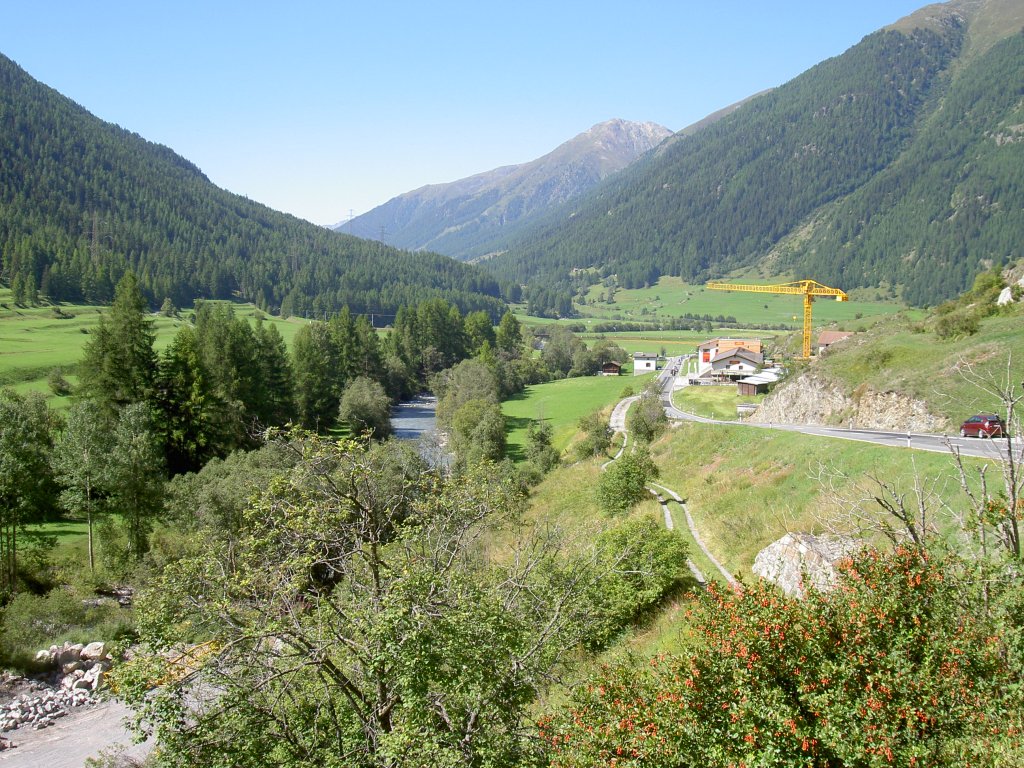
x=983, y=425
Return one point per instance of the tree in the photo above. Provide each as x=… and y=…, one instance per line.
x=624, y=483
x=315, y=363
x=26, y=437
x=119, y=365
x=190, y=422
x=81, y=463
x=509, y=336
x=366, y=407
x=560, y=350
x=275, y=392
x=646, y=418
x=456, y=386
x=136, y=477
x=357, y=622
x=479, y=331
x=539, y=451
x=477, y=432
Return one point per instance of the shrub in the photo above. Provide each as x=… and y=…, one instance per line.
x=57, y=383
x=956, y=325
x=33, y=622
x=625, y=482
x=641, y=562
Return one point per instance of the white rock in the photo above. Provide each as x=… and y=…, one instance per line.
x=94, y=651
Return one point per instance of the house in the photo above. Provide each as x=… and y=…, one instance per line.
x=732, y=365
x=644, y=362
x=611, y=368
x=828, y=338
x=714, y=348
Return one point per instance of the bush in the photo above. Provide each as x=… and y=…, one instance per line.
x=956, y=325
x=642, y=563
x=58, y=384
x=596, y=437
x=625, y=482
x=33, y=622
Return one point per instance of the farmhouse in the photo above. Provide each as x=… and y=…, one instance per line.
x=728, y=359
x=611, y=368
x=644, y=362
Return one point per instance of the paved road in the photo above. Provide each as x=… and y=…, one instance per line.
x=987, y=449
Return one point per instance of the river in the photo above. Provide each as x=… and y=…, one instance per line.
x=416, y=420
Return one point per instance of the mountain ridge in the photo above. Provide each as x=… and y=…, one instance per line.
x=457, y=217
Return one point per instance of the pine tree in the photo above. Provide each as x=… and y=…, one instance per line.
x=119, y=366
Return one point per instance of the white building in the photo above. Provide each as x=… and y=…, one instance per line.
x=644, y=362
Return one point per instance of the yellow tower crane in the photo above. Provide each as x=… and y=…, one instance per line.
x=806, y=288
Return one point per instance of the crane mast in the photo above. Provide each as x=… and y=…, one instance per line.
x=809, y=289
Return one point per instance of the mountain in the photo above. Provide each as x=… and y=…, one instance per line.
x=463, y=217
x=896, y=164
x=82, y=201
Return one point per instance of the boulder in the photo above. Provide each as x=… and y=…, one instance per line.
x=70, y=653
x=801, y=559
x=94, y=651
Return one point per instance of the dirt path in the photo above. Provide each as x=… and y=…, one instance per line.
x=73, y=739
x=618, y=424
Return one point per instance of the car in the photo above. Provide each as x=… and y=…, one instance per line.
x=983, y=425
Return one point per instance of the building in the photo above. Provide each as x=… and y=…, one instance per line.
x=714, y=347
x=828, y=338
x=732, y=365
x=759, y=383
x=611, y=368
x=644, y=362
x=725, y=360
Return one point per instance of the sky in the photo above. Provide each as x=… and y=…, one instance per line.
x=327, y=109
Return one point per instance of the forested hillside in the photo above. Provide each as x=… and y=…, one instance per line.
x=894, y=162
x=953, y=200
x=82, y=201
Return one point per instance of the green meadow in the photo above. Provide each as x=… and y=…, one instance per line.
x=36, y=340
x=561, y=404
x=671, y=297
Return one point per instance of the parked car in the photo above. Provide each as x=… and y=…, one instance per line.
x=983, y=425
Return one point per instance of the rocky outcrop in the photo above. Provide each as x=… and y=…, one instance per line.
x=798, y=560
x=812, y=399
x=1006, y=295
x=75, y=673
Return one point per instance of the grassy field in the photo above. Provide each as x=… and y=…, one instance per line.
x=36, y=340
x=671, y=343
x=713, y=402
x=671, y=297
x=561, y=404
x=747, y=487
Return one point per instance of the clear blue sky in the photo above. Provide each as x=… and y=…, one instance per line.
x=319, y=108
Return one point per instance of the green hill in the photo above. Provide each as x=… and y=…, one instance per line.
x=81, y=201
x=895, y=164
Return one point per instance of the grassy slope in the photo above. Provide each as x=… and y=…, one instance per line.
x=897, y=356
